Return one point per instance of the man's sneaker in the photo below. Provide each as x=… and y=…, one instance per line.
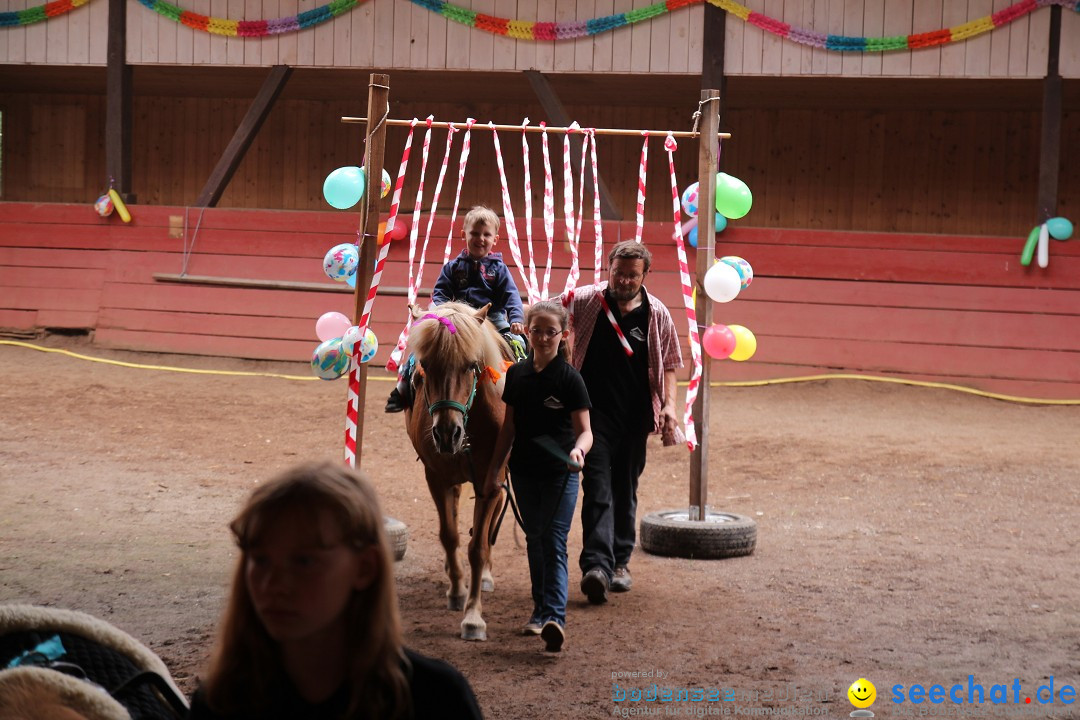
x=553, y=636
x=395, y=403
x=533, y=627
x=621, y=581
x=595, y=586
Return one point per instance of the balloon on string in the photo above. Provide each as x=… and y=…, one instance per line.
x=691, y=237
x=329, y=360
x=690, y=200
x=351, y=280
x=385, y=184
x=721, y=223
x=344, y=187
x=400, y=231
x=746, y=273
x=331, y=325
x=368, y=346
x=340, y=261
x=1059, y=228
x=745, y=343
x=718, y=341
x=733, y=198
x=722, y=283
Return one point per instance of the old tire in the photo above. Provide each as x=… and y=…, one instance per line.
x=719, y=535
x=398, y=535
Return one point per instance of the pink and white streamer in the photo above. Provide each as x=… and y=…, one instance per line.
x=641, y=187
x=528, y=201
x=688, y=300
x=508, y=218
x=466, y=143
x=569, y=217
x=549, y=210
x=598, y=255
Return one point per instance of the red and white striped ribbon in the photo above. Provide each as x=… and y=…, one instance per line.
x=641, y=187
x=615, y=324
x=528, y=202
x=549, y=210
x=688, y=300
x=352, y=411
x=466, y=143
x=597, y=220
x=568, y=209
x=508, y=218
x=414, y=233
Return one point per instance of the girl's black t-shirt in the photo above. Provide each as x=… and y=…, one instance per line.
x=543, y=402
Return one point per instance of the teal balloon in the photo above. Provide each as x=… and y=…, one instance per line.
x=1059, y=228
x=733, y=198
x=344, y=187
x=721, y=222
x=691, y=237
x=351, y=280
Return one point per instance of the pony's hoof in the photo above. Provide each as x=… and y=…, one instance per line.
x=455, y=602
x=474, y=632
x=487, y=585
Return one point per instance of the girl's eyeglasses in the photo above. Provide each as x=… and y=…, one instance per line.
x=540, y=332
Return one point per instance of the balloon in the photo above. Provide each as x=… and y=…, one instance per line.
x=1030, y=245
x=718, y=341
x=385, y=184
x=1059, y=228
x=399, y=231
x=104, y=205
x=340, y=261
x=721, y=223
x=118, y=203
x=745, y=343
x=1043, y=255
x=690, y=200
x=329, y=360
x=722, y=282
x=692, y=237
x=733, y=198
x=382, y=234
x=368, y=346
x=351, y=280
x=331, y=325
x=746, y=273
x=344, y=187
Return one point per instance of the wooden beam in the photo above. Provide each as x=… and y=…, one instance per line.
x=118, y=103
x=555, y=110
x=703, y=306
x=1050, y=137
x=244, y=135
x=714, y=34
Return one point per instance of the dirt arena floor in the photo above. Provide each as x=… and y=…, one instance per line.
x=906, y=535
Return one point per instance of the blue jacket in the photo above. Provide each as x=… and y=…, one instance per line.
x=479, y=282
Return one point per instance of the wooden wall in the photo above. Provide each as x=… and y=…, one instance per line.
x=961, y=171
x=954, y=309
x=397, y=34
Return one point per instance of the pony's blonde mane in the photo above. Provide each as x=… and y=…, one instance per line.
x=474, y=341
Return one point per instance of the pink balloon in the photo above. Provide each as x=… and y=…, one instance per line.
x=331, y=325
x=399, y=231
x=718, y=341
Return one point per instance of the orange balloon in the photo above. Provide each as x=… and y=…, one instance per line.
x=382, y=234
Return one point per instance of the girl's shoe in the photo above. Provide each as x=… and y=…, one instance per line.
x=553, y=636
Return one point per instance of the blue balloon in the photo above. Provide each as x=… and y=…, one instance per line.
x=691, y=237
x=721, y=222
x=351, y=280
x=1059, y=228
x=344, y=187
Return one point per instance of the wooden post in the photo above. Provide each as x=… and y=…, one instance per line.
x=118, y=103
x=375, y=146
x=1050, y=136
x=706, y=227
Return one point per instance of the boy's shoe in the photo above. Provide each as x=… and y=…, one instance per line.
x=595, y=586
x=621, y=581
x=395, y=403
x=516, y=346
x=533, y=627
x=553, y=636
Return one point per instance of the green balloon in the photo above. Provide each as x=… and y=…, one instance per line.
x=344, y=187
x=733, y=198
x=1029, y=246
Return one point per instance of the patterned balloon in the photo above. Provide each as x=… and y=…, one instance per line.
x=746, y=273
x=329, y=360
x=385, y=183
x=341, y=261
x=690, y=200
x=349, y=339
x=369, y=346
x=104, y=205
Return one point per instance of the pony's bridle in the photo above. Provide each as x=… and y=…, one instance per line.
x=454, y=404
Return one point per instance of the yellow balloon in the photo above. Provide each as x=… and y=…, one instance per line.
x=745, y=343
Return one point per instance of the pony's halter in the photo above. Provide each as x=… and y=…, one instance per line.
x=454, y=404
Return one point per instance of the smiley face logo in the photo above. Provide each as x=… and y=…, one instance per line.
x=862, y=693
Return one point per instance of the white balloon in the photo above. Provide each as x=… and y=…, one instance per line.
x=722, y=282
x=1043, y=254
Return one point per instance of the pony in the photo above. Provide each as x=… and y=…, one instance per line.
x=453, y=422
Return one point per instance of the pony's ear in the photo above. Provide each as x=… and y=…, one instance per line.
x=481, y=314
x=415, y=310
